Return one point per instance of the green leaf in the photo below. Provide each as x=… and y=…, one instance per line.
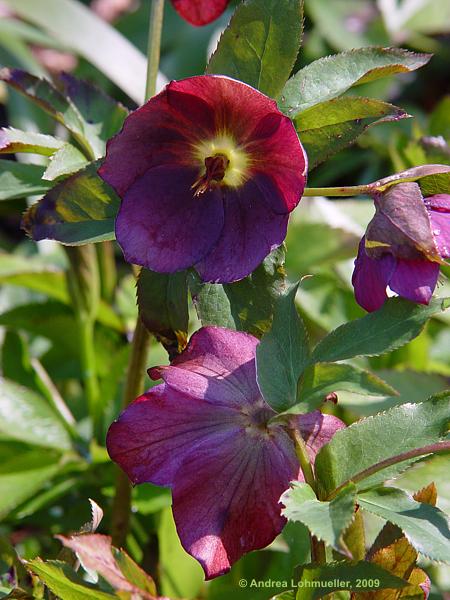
x=331, y=126
x=261, y=44
x=79, y=210
x=18, y=180
x=425, y=526
x=374, y=439
x=87, y=112
x=282, y=354
x=62, y=580
x=65, y=161
x=25, y=416
x=13, y=140
x=323, y=378
x=440, y=119
x=163, y=307
x=326, y=520
x=24, y=474
x=330, y=77
x=246, y=305
x=92, y=38
x=317, y=581
x=396, y=323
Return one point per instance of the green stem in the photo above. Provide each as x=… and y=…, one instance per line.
x=344, y=191
x=141, y=339
x=393, y=460
x=107, y=268
x=133, y=388
x=88, y=368
x=154, y=46
x=318, y=550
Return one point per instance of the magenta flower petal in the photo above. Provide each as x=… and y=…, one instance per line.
x=200, y=12
x=415, y=280
x=219, y=141
x=149, y=231
x=206, y=433
x=249, y=234
x=438, y=207
x=370, y=278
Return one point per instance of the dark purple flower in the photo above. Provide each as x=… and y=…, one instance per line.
x=403, y=247
x=205, y=433
x=208, y=172
x=200, y=12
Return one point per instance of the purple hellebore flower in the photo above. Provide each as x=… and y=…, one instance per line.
x=403, y=247
x=208, y=172
x=205, y=433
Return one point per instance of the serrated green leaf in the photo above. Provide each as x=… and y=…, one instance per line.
x=330, y=77
x=25, y=416
x=65, y=161
x=322, y=378
x=79, y=210
x=317, y=581
x=425, y=526
x=261, y=44
x=163, y=307
x=331, y=126
x=374, y=439
x=326, y=520
x=396, y=323
x=13, y=140
x=62, y=580
x=246, y=305
x=282, y=354
x=19, y=180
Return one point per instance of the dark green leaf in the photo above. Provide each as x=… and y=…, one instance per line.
x=282, y=354
x=322, y=378
x=18, y=180
x=246, y=305
x=330, y=77
x=397, y=322
x=64, y=582
x=26, y=416
x=79, y=210
x=374, y=439
x=261, y=44
x=317, y=581
x=425, y=526
x=163, y=307
x=326, y=520
x=14, y=140
x=331, y=126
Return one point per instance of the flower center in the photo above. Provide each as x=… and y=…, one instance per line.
x=222, y=162
x=216, y=167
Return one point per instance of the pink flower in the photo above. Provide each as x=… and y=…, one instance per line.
x=200, y=12
x=206, y=432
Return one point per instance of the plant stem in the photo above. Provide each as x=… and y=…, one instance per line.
x=318, y=551
x=88, y=368
x=344, y=191
x=141, y=339
x=393, y=460
x=154, y=46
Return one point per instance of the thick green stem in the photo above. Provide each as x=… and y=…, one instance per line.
x=107, y=268
x=141, y=339
x=344, y=191
x=88, y=369
x=154, y=46
x=318, y=551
